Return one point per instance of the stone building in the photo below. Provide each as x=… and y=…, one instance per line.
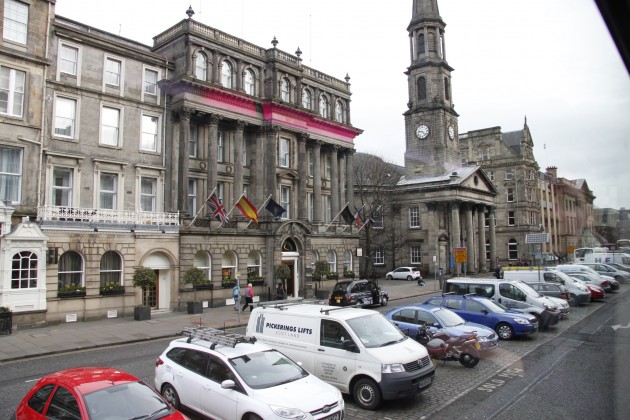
x=110, y=149
x=443, y=202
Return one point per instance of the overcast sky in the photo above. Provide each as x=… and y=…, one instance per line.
x=552, y=61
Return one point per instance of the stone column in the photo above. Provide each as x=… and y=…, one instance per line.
x=317, y=183
x=492, y=233
x=302, y=175
x=183, y=173
x=258, y=168
x=455, y=233
x=238, y=158
x=270, y=159
x=341, y=186
x=212, y=141
x=350, y=176
x=334, y=181
x=470, y=238
x=481, y=227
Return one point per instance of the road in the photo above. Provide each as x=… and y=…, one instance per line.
x=561, y=373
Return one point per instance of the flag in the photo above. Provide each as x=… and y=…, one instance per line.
x=274, y=208
x=217, y=209
x=347, y=215
x=247, y=208
x=357, y=217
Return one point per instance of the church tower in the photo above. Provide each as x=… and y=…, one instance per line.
x=432, y=145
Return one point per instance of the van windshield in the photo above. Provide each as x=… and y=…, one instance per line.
x=376, y=331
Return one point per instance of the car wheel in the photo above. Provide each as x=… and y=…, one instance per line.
x=170, y=395
x=619, y=279
x=389, y=277
x=409, y=278
x=384, y=300
x=540, y=322
x=505, y=331
x=572, y=299
x=367, y=394
x=251, y=416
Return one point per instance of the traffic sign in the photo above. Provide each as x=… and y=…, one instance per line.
x=537, y=238
x=460, y=255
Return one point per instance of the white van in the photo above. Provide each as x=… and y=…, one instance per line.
x=512, y=294
x=600, y=255
x=357, y=350
x=578, y=293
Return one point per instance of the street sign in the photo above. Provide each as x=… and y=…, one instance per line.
x=537, y=238
x=460, y=255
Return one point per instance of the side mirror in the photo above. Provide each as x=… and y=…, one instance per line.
x=349, y=346
x=228, y=384
x=484, y=311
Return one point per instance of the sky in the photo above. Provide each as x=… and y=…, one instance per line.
x=550, y=61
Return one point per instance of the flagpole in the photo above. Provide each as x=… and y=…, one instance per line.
x=257, y=211
x=204, y=204
x=234, y=205
x=333, y=220
x=369, y=218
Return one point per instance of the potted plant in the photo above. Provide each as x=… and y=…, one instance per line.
x=112, y=288
x=321, y=268
x=197, y=278
x=6, y=320
x=255, y=279
x=144, y=278
x=70, y=291
x=348, y=274
x=331, y=275
x=228, y=281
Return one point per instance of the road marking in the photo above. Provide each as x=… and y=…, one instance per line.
x=616, y=327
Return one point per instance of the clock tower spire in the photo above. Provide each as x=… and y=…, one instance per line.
x=432, y=145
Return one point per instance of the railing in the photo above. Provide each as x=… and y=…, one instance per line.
x=74, y=214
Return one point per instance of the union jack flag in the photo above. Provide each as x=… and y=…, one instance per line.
x=217, y=209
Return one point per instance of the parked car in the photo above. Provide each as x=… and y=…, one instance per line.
x=605, y=282
x=404, y=273
x=410, y=318
x=620, y=267
x=589, y=278
x=608, y=270
x=94, y=393
x=230, y=376
x=597, y=292
x=358, y=292
x=506, y=322
x=557, y=293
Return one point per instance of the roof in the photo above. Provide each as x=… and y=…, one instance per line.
x=324, y=311
x=90, y=379
x=241, y=349
x=461, y=173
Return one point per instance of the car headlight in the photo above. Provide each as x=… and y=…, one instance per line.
x=393, y=368
x=521, y=321
x=287, y=412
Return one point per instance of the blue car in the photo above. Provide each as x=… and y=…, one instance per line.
x=507, y=323
x=409, y=318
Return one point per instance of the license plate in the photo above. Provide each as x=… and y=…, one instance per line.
x=425, y=382
x=477, y=346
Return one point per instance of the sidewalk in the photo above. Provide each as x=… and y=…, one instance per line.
x=22, y=344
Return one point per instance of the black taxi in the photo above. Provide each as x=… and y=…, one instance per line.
x=358, y=292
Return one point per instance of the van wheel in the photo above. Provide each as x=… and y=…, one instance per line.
x=251, y=416
x=505, y=331
x=367, y=394
x=170, y=395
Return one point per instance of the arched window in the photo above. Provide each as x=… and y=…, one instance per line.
x=331, y=257
x=420, y=46
x=285, y=93
x=253, y=265
x=249, y=82
x=323, y=106
x=111, y=269
x=24, y=270
x=432, y=45
x=422, y=89
x=201, y=66
x=202, y=261
x=513, y=249
x=226, y=74
x=307, y=99
x=229, y=263
x=339, y=112
x=70, y=270
x=447, y=89
x=347, y=260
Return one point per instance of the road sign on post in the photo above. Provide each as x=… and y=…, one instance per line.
x=536, y=238
x=460, y=255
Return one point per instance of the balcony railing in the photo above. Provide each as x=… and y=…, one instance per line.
x=106, y=216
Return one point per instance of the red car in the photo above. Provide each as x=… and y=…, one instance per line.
x=596, y=291
x=93, y=393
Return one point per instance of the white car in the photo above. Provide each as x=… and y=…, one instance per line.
x=404, y=273
x=230, y=376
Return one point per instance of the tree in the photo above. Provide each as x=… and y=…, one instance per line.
x=375, y=188
x=144, y=278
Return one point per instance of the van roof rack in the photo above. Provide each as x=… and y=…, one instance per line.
x=281, y=304
x=215, y=336
x=469, y=294
x=336, y=308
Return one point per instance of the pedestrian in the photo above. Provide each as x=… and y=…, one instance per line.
x=280, y=293
x=249, y=298
x=497, y=272
x=236, y=293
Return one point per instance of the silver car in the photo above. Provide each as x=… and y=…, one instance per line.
x=608, y=270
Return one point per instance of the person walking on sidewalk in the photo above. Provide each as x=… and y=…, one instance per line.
x=236, y=293
x=280, y=293
x=249, y=298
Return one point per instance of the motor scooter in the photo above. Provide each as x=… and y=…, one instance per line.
x=441, y=346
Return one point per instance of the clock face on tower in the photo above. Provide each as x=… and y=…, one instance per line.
x=422, y=131
x=451, y=131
